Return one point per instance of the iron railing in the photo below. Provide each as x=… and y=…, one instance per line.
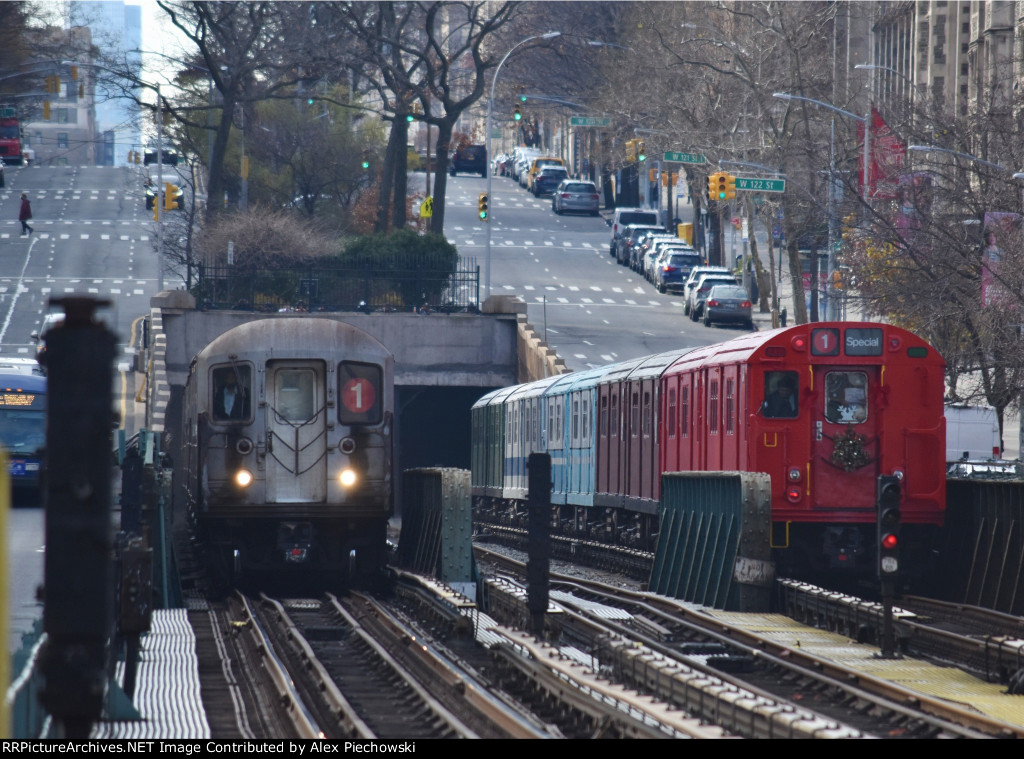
x=410, y=288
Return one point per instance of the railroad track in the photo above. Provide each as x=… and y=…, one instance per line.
x=674, y=645
x=986, y=643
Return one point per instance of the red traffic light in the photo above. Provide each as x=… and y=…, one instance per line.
x=890, y=541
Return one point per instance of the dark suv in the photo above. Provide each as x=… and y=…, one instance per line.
x=471, y=159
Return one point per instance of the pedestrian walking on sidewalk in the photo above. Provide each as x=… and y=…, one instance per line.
x=24, y=215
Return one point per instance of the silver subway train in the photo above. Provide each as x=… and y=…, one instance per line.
x=288, y=434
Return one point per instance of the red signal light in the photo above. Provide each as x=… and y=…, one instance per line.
x=793, y=494
x=799, y=343
x=890, y=541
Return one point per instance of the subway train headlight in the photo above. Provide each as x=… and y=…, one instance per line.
x=794, y=474
x=347, y=478
x=243, y=478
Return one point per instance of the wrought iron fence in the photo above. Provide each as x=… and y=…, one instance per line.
x=314, y=288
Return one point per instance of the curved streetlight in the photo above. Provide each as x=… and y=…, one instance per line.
x=209, y=94
x=490, y=111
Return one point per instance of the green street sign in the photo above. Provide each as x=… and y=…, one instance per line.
x=589, y=121
x=760, y=185
x=684, y=157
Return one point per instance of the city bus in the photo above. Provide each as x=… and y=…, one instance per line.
x=23, y=431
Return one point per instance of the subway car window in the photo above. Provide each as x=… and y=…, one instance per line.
x=232, y=393
x=295, y=394
x=780, y=396
x=846, y=397
x=360, y=388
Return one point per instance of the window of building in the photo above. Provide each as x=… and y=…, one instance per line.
x=62, y=140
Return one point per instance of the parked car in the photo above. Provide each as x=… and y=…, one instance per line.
x=672, y=268
x=699, y=294
x=2, y=180
x=638, y=252
x=573, y=195
x=547, y=180
x=728, y=303
x=691, y=281
x=625, y=216
x=470, y=159
x=630, y=237
x=656, y=251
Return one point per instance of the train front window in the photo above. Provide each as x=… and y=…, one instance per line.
x=846, y=397
x=232, y=393
x=295, y=394
x=780, y=396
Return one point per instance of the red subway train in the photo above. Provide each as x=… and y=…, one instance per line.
x=823, y=408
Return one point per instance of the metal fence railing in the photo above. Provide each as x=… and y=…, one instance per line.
x=454, y=289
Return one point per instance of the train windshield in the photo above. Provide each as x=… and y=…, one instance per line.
x=232, y=388
x=780, y=396
x=846, y=397
x=22, y=422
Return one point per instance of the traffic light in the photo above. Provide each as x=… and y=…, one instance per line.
x=730, y=187
x=641, y=151
x=56, y=83
x=889, y=494
x=522, y=98
x=517, y=113
x=170, y=196
x=46, y=110
x=713, y=186
x=74, y=72
x=48, y=84
x=631, y=150
x=156, y=211
x=483, y=209
x=721, y=186
x=366, y=160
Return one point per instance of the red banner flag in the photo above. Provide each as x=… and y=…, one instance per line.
x=887, y=155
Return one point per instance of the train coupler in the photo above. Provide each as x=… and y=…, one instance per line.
x=294, y=539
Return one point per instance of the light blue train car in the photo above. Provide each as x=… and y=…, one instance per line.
x=570, y=406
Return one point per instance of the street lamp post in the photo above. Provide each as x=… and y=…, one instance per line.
x=865, y=181
x=490, y=114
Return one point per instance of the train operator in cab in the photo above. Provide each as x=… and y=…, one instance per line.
x=780, y=402
x=231, y=401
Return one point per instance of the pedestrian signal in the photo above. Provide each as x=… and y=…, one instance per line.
x=482, y=207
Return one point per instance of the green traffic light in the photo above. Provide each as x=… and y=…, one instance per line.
x=409, y=118
x=366, y=164
x=483, y=216
x=721, y=196
x=523, y=98
x=309, y=101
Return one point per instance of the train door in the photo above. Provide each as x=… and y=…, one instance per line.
x=296, y=432
x=845, y=441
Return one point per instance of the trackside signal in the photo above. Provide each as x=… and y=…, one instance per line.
x=889, y=494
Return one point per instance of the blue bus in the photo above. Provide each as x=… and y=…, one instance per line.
x=23, y=432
